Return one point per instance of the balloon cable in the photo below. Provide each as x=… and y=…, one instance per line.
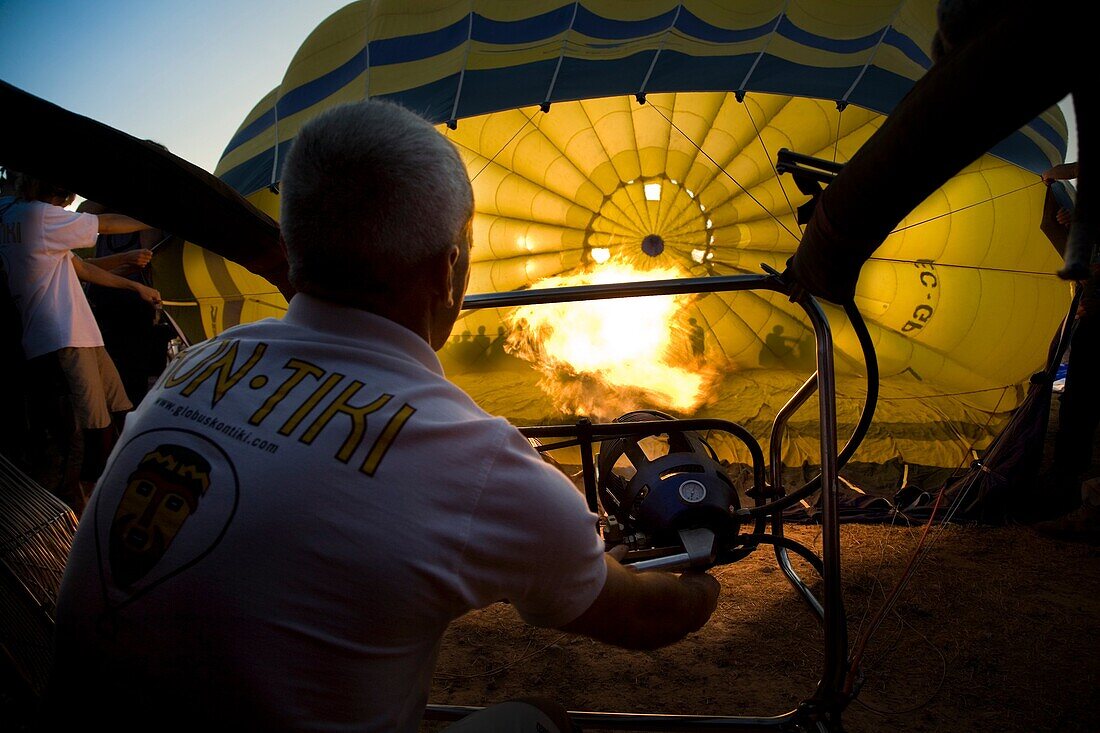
x=490, y=161
x=924, y=545
x=952, y=212
x=775, y=172
x=723, y=171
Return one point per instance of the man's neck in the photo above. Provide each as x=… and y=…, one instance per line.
x=408, y=309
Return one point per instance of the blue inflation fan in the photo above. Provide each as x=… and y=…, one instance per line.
x=681, y=498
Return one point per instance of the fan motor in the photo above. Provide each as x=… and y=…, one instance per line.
x=686, y=488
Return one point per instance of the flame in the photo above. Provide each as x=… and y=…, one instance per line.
x=604, y=357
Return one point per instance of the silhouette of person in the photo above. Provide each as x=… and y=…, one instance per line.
x=496, y=348
x=698, y=339
x=481, y=342
x=777, y=347
x=466, y=350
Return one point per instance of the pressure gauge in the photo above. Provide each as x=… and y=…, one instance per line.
x=692, y=491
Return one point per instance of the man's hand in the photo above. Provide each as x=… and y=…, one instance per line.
x=646, y=610
x=1062, y=172
x=618, y=552
x=123, y=263
x=138, y=257
x=708, y=588
x=149, y=295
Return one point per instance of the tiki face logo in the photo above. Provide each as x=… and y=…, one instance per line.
x=162, y=492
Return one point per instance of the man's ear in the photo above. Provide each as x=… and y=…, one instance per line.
x=447, y=276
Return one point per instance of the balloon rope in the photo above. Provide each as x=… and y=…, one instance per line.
x=924, y=546
x=267, y=303
x=727, y=175
x=967, y=267
x=891, y=601
x=497, y=153
x=768, y=157
x=836, y=138
x=968, y=206
x=940, y=395
x=633, y=200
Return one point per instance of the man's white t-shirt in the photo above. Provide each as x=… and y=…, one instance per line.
x=292, y=518
x=36, y=244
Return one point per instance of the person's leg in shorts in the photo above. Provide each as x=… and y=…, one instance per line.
x=56, y=442
x=96, y=393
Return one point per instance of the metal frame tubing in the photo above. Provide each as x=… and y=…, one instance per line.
x=821, y=712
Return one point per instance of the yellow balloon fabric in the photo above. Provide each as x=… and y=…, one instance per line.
x=573, y=174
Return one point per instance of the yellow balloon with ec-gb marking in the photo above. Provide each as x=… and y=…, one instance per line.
x=616, y=141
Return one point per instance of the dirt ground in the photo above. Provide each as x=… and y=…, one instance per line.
x=998, y=630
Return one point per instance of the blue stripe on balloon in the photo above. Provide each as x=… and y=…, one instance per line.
x=879, y=89
x=705, y=75
x=485, y=88
x=420, y=46
x=1049, y=133
x=694, y=26
x=308, y=95
x=251, y=175
x=251, y=130
x=525, y=30
x=523, y=85
x=1021, y=151
x=432, y=101
x=613, y=29
x=787, y=29
x=583, y=78
x=907, y=46
x=417, y=46
x=780, y=76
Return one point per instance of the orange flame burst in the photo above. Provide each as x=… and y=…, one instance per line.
x=604, y=357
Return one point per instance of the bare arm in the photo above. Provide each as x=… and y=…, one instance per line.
x=92, y=274
x=1062, y=172
x=647, y=610
x=119, y=224
x=122, y=263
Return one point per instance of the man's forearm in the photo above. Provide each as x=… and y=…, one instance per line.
x=119, y=224
x=115, y=263
x=672, y=610
x=90, y=273
x=646, y=610
x=1062, y=172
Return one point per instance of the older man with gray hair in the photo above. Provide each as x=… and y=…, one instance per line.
x=344, y=501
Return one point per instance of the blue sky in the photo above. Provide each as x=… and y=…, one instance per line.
x=182, y=72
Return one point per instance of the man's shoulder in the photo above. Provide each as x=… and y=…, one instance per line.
x=39, y=209
x=253, y=329
x=16, y=208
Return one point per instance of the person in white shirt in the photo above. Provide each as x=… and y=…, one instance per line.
x=37, y=239
x=300, y=507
